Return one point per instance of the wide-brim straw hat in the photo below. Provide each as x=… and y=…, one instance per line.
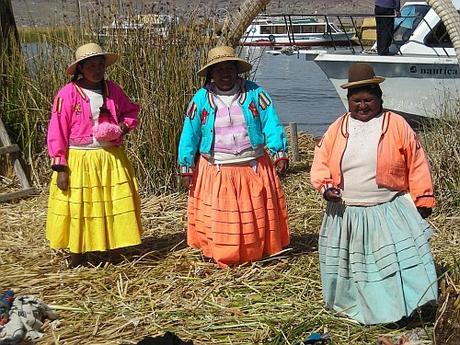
x=221, y=54
x=89, y=50
x=361, y=74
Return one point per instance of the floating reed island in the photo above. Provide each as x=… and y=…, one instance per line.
x=162, y=285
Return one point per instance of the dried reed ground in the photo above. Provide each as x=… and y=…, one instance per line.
x=164, y=285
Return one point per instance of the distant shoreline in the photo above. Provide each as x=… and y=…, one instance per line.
x=46, y=13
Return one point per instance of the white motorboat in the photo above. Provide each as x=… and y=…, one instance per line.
x=421, y=76
x=155, y=24
x=294, y=30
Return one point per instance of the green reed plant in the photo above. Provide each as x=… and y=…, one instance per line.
x=156, y=69
x=34, y=76
x=442, y=144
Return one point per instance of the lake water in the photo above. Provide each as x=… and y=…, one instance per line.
x=300, y=91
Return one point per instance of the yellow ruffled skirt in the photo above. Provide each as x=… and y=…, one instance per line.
x=101, y=208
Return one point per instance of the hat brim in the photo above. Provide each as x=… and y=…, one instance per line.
x=110, y=59
x=243, y=65
x=376, y=80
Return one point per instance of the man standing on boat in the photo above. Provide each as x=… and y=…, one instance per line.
x=385, y=12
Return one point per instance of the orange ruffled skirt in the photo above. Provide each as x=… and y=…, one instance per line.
x=237, y=214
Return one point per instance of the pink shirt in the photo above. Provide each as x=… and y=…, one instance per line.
x=71, y=120
x=231, y=134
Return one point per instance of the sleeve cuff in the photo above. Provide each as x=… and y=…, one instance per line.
x=185, y=171
x=129, y=122
x=280, y=155
x=428, y=201
x=58, y=164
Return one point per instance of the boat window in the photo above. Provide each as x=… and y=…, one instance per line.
x=296, y=29
x=308, y=28
x=280, y=29
x=320, y=28
x=410, y=18
x=438, y=37
x=266, y=30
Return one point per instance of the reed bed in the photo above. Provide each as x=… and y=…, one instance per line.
x=441, y=140
x=163, y=285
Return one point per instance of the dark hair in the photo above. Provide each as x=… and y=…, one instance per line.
x=77, y=73
x=208, y=78
x=103, y=108
x=371, y=88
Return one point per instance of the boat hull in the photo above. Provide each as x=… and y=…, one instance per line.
x=414, y=86
x=263, y=42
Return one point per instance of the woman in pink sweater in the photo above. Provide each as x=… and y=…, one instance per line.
x=94, y=203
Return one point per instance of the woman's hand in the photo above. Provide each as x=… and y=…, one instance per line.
x=333, y=194
x=281, y=166
x=124, y=128
x=63, y=180
x=425, y=212
x=187, y=181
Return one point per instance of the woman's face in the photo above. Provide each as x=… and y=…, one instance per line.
x=224, y=74
x=93, y=70
x=364, y=105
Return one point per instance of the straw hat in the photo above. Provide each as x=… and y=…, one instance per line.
x=89, y=50
x=361, y=74
x=221, y=54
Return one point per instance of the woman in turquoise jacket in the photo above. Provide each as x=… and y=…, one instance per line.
x=231, y=142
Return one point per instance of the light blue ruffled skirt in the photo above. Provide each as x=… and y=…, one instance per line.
x=376, y=262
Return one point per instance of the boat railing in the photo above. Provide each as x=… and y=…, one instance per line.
x=347, y=24
x=351, y=26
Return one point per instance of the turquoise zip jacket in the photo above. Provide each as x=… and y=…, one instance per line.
x=262, y=121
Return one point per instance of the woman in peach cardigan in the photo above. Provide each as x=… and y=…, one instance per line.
x=376, y=263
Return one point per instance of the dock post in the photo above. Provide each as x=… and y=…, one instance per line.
x=294, y=142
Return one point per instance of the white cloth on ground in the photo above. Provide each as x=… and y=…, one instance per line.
x=26, y=318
